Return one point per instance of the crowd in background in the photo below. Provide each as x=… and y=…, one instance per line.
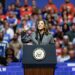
x=17, y=19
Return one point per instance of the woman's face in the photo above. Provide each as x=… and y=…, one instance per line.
x=41, y=25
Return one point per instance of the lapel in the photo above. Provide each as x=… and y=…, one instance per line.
x=45, y=39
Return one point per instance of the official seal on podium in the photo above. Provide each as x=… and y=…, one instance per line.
x=39, y=54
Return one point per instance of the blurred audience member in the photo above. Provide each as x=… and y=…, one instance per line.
x=25, y=10
x=72, y=56
x=71, y=33
x=58, y=49
x=12, y=20
x=51, y=7
x=15, y=44
x=65, y=28
x=64, y=56
x=8, y=32
x=59, y=34
x=70, y=46
x=65, y=41
x=9, y=56
x=68, y=5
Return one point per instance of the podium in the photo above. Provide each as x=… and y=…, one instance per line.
x=39, y=59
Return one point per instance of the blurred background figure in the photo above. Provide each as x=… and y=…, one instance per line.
x=71, y=33
x=9, y=56
x=69, y=6
x=51, y=7
x=8, y=32
x=58, y=49
x=12, y=20
x=65, y=41
x=72, y=56
x=15, y=44
x=64, y=56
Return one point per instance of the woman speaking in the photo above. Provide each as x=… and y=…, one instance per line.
x=41, y=36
